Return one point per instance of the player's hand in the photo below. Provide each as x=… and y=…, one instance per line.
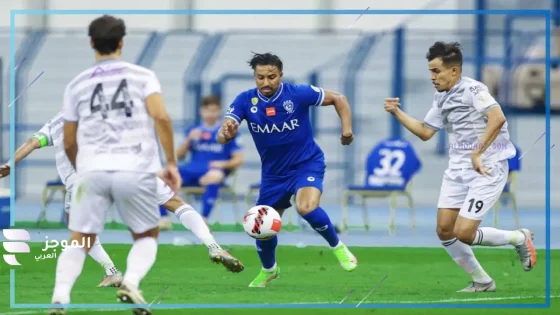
x=217, y=164
x=230, y=129
x=391, y=105
x=4, y=170
x=346, y=138
x=477, y=164
x=171, y=177
x=195, y=134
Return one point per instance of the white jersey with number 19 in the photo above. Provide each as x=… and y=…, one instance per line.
x=115, y=131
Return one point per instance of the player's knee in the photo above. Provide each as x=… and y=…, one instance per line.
x=154, y=233
x=303, y=207
x=212, y=177
x=464, y=234
x=444, y=231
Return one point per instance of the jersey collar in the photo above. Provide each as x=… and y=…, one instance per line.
x=273, y=97
x=104, y=61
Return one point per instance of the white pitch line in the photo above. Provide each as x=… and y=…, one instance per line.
x=503, y=298
x=78, y=310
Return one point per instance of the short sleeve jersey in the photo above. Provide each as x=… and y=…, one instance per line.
x=462, y=112
x=280, y=126
x=115, y=130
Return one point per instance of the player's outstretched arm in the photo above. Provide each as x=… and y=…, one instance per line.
x=228, y=131
x=342, y=106
x=23, y=151
x=418, y=128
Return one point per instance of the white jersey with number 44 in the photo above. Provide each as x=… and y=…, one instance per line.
x=462, y=112
x=115, y=131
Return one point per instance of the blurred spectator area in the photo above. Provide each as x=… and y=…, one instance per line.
x=526, y=88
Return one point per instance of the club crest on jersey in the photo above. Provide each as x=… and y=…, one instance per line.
x=254, y=100
x=289, y=106
x=253, y=109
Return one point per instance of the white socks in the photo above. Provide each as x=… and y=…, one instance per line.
x=100, y=255
x=463, y=255
x=68, y=268
x=488, y=236
x=194, y=222
x=141, y=258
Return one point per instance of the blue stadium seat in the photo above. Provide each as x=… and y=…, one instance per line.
x=225, y=188
x=49, y=192
x=390, y=167
x=509, y=192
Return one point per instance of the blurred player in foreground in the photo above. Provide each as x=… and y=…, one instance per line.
x=51, y=135
x=210, y=162
x=110, y=112
x=478, y=166
x=277, y=115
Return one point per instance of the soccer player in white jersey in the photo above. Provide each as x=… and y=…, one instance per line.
x=478, y=168
x=110, y=112
x=50, y=135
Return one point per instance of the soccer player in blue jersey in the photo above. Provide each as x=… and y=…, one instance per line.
x=277, y=115
x=211, y=162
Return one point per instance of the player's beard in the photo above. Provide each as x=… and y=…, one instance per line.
x=269, y=92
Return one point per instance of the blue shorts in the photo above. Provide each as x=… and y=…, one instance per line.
x=277, y=193
x=192, y=173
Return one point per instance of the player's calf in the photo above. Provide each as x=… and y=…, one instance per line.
x=194, y=222
x=521, y=240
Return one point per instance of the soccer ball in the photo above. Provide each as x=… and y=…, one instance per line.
x=262, y=222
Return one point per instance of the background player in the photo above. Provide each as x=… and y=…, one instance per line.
x=51, y=135
x=478, y=167
x=277, y=115
x=211, y=162
x=110, y=112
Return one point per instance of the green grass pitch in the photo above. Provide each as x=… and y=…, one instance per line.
x=308, y=275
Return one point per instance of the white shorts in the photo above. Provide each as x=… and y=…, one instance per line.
x=164, y=194
x=133, y=194
x=472, y=193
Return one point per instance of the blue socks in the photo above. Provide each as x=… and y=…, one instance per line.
x=267, y=252
x=163, y=212
x=318, y=219
x=209, y=199
x=320, y=222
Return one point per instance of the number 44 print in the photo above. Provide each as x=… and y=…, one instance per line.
x=102, y=105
